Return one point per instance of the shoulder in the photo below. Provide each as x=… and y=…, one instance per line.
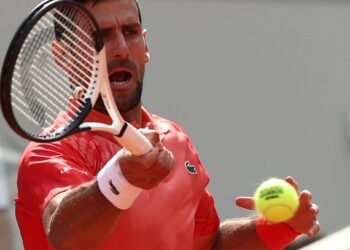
x=47, y=168
x=174, y=126
x=58, y=154
x=63, y=148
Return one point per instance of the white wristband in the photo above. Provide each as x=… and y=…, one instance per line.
x=114, y=186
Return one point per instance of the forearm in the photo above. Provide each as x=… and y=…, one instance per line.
x=82, y=219
x=238, y=234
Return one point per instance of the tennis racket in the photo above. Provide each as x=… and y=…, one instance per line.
x=53, y=73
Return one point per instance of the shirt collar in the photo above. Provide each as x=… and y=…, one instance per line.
x=148, y=120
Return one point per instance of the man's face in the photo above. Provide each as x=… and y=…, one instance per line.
x=126, y=49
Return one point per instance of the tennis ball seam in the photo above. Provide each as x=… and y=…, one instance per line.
x=279, y=205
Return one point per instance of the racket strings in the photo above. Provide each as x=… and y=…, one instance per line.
x=37, y=82
x=74, y=30
x=53, y=79
x=70, y=54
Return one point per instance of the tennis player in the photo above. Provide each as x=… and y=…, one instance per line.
x=86, y=192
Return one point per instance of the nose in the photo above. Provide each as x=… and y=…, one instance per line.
x=119, y=46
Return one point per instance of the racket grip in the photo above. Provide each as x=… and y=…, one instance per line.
x=134, y=141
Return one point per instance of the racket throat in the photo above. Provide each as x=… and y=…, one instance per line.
x=112, y=129
x=123, y=129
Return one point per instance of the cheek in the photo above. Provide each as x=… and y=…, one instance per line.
x=141, y=71
x=135, y=50
x=138, y=50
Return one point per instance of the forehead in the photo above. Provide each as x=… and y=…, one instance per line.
x=122, y=11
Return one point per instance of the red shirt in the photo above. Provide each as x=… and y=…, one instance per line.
x=169, y=216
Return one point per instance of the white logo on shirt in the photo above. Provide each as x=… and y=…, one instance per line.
x=67, y=169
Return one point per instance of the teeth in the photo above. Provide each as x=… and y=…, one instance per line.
x=119, y=83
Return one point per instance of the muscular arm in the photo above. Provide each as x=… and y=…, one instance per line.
x=238, y=234
x=83, y=217
x=242, y=234
x=80, y=218
x=232, y=234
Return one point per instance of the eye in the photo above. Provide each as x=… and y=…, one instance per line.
x=131, y=31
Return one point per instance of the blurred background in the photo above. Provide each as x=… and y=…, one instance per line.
x=262, y=87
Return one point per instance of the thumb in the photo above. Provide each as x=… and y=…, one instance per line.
x=245, y=202
x=151, y=135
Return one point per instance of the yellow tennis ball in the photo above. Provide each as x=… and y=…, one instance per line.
x=276, y=199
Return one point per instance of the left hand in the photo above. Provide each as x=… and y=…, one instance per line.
x=304, y=220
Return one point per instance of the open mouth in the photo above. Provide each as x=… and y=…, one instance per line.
x=120, y=77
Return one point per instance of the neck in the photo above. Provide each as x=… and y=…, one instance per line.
x=134, y=114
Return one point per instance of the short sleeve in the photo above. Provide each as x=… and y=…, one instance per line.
x=48, y=169
x=206, y=219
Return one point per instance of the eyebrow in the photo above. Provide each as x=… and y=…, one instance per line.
x=106, y=23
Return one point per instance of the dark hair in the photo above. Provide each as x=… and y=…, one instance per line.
x=59, y=30
x=95, y=1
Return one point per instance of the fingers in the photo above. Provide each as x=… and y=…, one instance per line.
x=161, y=168
x=166, y=160
x=142, y=162
x=305, y=197
x=314, y=209
x=245, y=202
x=292, y=182
x=305, y=219
x=151, y=135
x=315, y=229
x=150, y=169
x=154, y=137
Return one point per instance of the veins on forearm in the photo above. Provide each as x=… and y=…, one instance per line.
x=83, y=216
x=238, y=233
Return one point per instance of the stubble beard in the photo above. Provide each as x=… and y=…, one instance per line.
x=133, y=101
x=125, y=105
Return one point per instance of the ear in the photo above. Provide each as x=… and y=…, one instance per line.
x=147, y=55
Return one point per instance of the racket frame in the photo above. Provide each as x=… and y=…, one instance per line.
x=126, y=134
x=11, y=59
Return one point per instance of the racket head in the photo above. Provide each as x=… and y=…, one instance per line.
x=41, y=98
